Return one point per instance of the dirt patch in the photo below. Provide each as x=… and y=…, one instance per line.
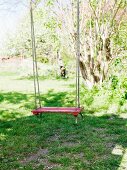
x=70, y=144
x=99, y=130
x=110, y=145
x=75, y=156
x=69, y=138
x=48, y=165
x=54, y=138
x=108, y=137
x=79, y=155
x=40, y=158
x=34, y=157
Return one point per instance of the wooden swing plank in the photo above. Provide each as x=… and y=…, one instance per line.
x=68, y=110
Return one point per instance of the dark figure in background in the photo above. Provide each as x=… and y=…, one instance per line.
x=63, y=71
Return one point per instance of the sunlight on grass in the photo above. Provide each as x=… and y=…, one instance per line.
x=118, y=150
x=123, y=165
x=123, y=115
x=2, y=136
x=10, y=80
x=28, y=87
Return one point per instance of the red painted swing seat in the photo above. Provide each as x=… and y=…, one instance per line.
x=68, y=110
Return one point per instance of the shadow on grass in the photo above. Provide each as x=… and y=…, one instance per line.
x=43, y=77
x=87, y=146
x=60, y=99
x=49, y=99
x=10, y=114
x=15, y=105
x=13, y=97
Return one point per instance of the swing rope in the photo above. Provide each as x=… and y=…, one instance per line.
x=78, y=57
x=35, y=65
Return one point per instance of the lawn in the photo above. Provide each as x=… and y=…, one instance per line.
x=53, y=141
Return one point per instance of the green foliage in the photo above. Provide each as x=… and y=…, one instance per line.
x=50, y=3
x=124, y=83
x=121, y=36
x=94, y=4
x=122, y=3
x=117, y=61
x=112, y=96
x=114, y=81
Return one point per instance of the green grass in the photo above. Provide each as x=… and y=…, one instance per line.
x=53, y=141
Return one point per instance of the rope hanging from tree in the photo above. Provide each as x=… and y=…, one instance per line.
x=35, y=66
x=78, y=57
x=34, y=56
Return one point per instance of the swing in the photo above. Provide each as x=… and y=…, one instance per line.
x=75, y=111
